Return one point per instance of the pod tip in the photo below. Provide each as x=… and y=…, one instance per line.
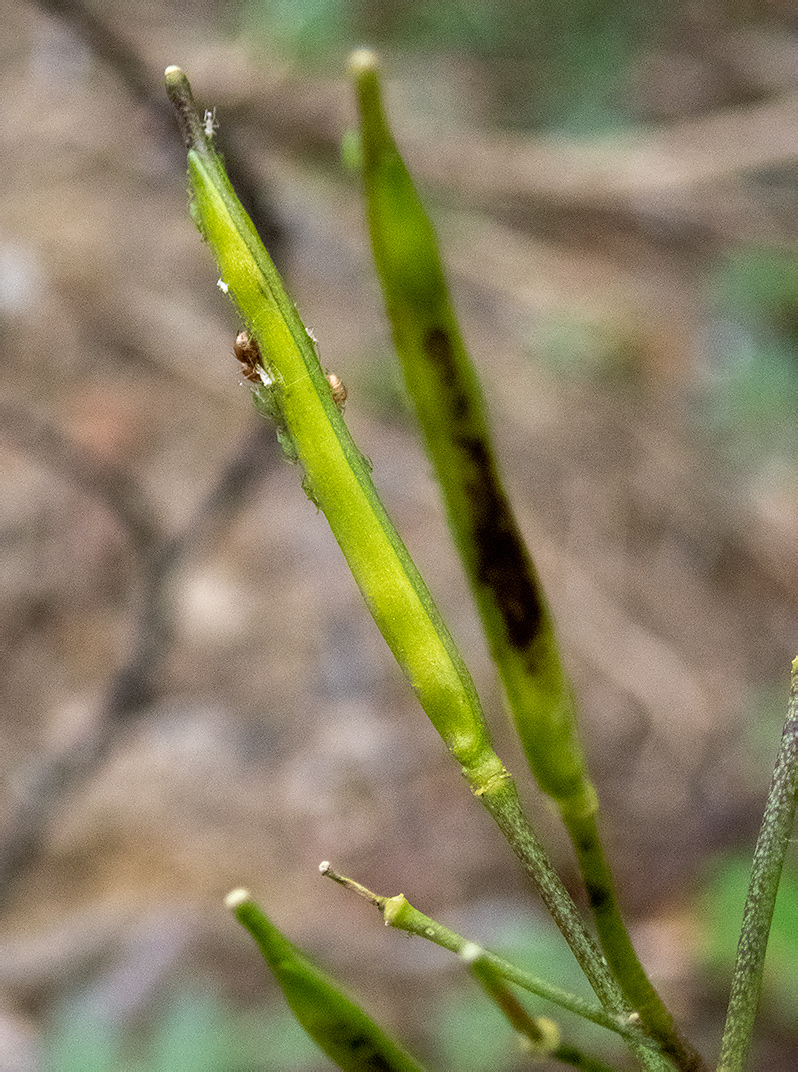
x=362, y=61
x=236, y=898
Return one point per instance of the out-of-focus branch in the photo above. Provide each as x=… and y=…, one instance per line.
x=144, y=85
x=41, y=440
x=52, y=778
x=661, y=182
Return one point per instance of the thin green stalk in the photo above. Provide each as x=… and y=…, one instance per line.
x=771, y=849
x=541, y=1036
x=336, y=1024
x=450, y=406
x=618, y=948
x=400, y=914
x=296, y=394
x=502, y=801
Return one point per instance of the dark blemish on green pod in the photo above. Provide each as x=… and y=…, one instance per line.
x=502, y=564
x=336, y=1024
x=597, y=896
x=585, y=842
x=438, y=347
x=361, y=1049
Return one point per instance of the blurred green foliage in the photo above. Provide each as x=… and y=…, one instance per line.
x=760, y=284
x=193, y=1030
x=751, y=378
x=553, y=63
x=305, y=30
x=721, y=907
x=583, y=348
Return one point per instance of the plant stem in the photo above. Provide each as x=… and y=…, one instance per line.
x=618, y=948
x=771, y=849
x=541, y=1035
x=400, y=914
x=502, y=802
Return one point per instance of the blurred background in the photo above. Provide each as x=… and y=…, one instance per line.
x=193, y=695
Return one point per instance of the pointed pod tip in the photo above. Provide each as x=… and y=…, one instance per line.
x=236, y=898
x=363, y=61
x=175, y=78
x=178, y=89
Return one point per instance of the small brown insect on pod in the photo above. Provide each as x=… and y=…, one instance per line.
x=246, y=350
x=339, y=391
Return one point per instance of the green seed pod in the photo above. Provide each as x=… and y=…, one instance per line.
x=446, y=394
x=335, y=1023
x=306, y=409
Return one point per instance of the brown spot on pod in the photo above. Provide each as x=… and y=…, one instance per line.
x=338, y=389
x=246, y=350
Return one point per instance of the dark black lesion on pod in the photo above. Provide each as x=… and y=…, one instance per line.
x=438, y=348
x=503, y=564
x=362, y=1048
x=598, y=896
x=586, y=843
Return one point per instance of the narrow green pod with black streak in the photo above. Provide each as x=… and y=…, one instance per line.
x=335, y=1023
x=447, y=397
x=449, y=403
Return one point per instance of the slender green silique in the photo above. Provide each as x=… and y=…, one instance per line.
x=771, y=849
x=296, y=394
x=448, y=400
x=450, y=406
x=335, y=1023
x=541, y=1036
x=337, y=477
